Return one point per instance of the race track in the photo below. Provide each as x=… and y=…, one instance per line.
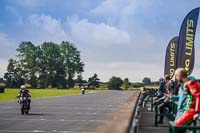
x=67, y=114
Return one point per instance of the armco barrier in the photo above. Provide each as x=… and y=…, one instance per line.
x=136, y=115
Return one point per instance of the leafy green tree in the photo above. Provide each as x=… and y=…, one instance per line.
x=27, y=52
x=146, y=80
x=71, y=61
x=12, y=76
x=126, y=84
x=50, y=61
x=137, y=85
x=79, y=79
x=115, y=83
x=49, y=64
x=93, y=81
x=42, y=72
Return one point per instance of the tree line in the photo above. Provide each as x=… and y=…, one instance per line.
x=45, y=65
x=116, y=83
x=55, y=65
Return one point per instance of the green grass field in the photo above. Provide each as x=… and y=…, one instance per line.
x=10, y=94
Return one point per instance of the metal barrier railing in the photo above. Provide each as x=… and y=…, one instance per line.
x=137, y=113
x=136, y=116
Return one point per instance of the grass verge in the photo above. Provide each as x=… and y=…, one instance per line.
x=10, y=94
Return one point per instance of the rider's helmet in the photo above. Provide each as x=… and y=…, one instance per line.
x=23, y=87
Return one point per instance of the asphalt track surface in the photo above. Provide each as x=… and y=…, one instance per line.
x=67, y=114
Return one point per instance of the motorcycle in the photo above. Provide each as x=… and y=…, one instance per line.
x=83, y=91
x=24, y=102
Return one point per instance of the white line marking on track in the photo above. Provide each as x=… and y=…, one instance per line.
x=79, y=113
x=58, y=120
x=42, y=131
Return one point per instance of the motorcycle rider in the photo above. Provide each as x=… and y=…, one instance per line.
x=83, y=89
x=24, y=92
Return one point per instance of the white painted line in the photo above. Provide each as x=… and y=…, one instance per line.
x=37, y=131
x=86, y=113
x=58, y=120
x=41, y=131
x=99, y=108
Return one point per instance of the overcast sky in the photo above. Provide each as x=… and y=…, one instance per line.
x=125, y=38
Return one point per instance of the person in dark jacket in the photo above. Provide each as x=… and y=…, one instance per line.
x=162, y=88
x=166, y=102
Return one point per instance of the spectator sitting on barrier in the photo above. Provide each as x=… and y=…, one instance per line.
x=169, y=88
x=161, y=90
x=192, y=108
x=166, y=100
x=181, y=77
